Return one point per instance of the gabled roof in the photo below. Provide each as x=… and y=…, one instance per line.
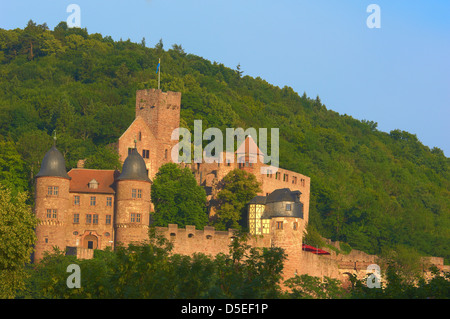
x=135, y=121
x=81, y=178
x=249, y=147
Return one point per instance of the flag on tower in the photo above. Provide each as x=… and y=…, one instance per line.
x=159, y=73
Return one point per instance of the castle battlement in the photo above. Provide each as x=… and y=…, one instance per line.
x=157, y=98
x=209, y=232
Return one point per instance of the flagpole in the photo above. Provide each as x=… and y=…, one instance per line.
x=159, y=73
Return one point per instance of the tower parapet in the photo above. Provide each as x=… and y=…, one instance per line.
x=161, y=112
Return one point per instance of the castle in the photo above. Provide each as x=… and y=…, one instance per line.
x=86, y=209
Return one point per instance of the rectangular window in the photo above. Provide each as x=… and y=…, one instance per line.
x=95, y=219
x=108, y=201
x=76, y=200
x=53, y=190
x=88, y=218
x=145, y=153
x=108, y=220
x=285, y=178
x=132, y=217
x=76, y=218
x=136, y=193
x=92, y=200
x=138, y=218
x=277, y=175
x=279, y=225
x=52, y=213
x=288, y=207
x=295, y=226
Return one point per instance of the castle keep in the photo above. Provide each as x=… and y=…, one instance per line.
x=86, y=209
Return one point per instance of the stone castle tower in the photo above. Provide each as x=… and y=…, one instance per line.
x=133, y=205
x=280, y=214
x=157, y=116
x=52, y=203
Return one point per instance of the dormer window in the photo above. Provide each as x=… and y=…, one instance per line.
x=93, y=184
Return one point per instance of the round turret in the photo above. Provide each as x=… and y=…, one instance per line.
x=53, y=164
x=134, y=168
x=283, y=203
x=51, y=203
x=133, y=201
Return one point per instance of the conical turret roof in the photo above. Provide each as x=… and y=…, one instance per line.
x=53, y=164
x=134, y=168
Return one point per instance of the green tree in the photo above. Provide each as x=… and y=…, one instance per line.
x=238, y=188
x=17, y=237
x=309, y=287
x=33, y=145
x=177, y=198
x=104, y=157
x=13, y=169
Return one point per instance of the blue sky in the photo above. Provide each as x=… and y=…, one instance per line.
x=397, y=75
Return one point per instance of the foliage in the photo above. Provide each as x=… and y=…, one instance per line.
x=17, y=238
x=238, y=188
x=149, y=270
x=106, y=157
x=369, y=188
x=177, y=198
x=309, y=287
x=312, y=237
x=152, y=270
x=394, y=287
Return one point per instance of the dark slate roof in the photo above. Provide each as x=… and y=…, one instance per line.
x=275, y=210
x=261, y=200
x=53, y=164
x=274, y=203
x=134, y=168
x=283, y=195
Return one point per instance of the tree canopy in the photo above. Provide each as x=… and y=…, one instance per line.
x=177, y=198
x=238, y=188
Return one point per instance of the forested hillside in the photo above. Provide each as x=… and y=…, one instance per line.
x=372, y=189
